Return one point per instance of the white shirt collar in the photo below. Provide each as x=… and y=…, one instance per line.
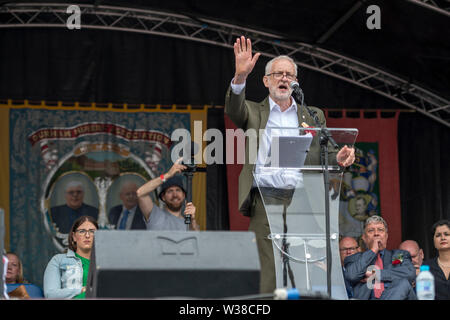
x=132, y=210
x=272, y=104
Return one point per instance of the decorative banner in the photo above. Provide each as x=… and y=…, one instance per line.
x=65, y=163
x=360, y=195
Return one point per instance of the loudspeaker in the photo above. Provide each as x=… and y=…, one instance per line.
x=177, y=264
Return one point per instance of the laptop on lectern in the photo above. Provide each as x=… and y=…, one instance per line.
x=291, y=150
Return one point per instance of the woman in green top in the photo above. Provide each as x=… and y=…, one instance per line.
x=66, y=274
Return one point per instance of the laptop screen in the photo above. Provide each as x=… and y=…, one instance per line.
x=289, y=151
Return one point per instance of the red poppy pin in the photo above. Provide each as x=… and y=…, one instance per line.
x=397, y=259
x=305, y=125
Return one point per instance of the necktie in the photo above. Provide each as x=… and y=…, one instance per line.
x=379, y=286
x=123, y=222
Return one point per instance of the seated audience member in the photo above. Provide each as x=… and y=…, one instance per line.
x=173, y=195
x=128, y=215
x=395, y=272
x=415, y=251
x=440, y=265
x=16, y=285
x=347, y=247
x=66, y=273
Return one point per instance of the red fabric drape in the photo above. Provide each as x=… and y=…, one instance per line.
x=380, y=130
x=237, y=220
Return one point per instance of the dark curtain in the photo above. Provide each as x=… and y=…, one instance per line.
x=111, y=66
x=424, y=177
x=217, y=217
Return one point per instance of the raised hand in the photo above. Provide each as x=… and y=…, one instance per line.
x=176, y=168
x=375, y=245
x=245, y=61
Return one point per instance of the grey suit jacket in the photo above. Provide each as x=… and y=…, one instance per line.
x=356, y=267
x=246, y=115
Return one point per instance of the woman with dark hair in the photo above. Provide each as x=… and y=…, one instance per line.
x=440, y=265
x=66, y=273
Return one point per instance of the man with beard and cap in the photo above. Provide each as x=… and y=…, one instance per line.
x=173, y=195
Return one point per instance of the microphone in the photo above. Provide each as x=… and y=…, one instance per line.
x=187, y=218
x=297, y=91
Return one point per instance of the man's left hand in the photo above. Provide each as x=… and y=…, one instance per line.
x=346, y=156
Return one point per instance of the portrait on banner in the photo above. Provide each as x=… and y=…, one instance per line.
x=360, y=195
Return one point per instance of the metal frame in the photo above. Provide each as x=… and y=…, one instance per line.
x=23, y=15
x=432, y=5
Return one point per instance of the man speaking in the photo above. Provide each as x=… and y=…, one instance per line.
x=278, y=109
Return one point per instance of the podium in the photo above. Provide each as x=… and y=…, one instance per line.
x=301, y=198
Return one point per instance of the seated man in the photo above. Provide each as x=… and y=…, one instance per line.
x=415, y=251
x=392, y=271
x=347, y=247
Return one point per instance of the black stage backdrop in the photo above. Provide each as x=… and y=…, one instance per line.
x=118, y=67
x=424, y=177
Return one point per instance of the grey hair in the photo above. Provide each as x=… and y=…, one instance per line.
x=269, y=64
x=74, y=183
x=375, y=219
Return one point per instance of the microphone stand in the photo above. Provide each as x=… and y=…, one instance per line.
x=189, y=173
x=285, y=246
x=324, y=138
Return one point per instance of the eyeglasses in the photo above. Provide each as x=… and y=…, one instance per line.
x=74, y=193
x=83, y=232
x=280, y=75
x=348, y=249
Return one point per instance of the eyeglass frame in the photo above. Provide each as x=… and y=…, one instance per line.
x=74, y=192
x=283, y=74
x=83, y=232
x=351, y=249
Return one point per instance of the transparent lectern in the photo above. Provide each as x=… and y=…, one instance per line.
x=303, y=216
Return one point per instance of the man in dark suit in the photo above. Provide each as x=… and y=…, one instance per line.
x=279, y=109
x=378, y=273
x=347, y=247
x=64, y=216
x=128, y=215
